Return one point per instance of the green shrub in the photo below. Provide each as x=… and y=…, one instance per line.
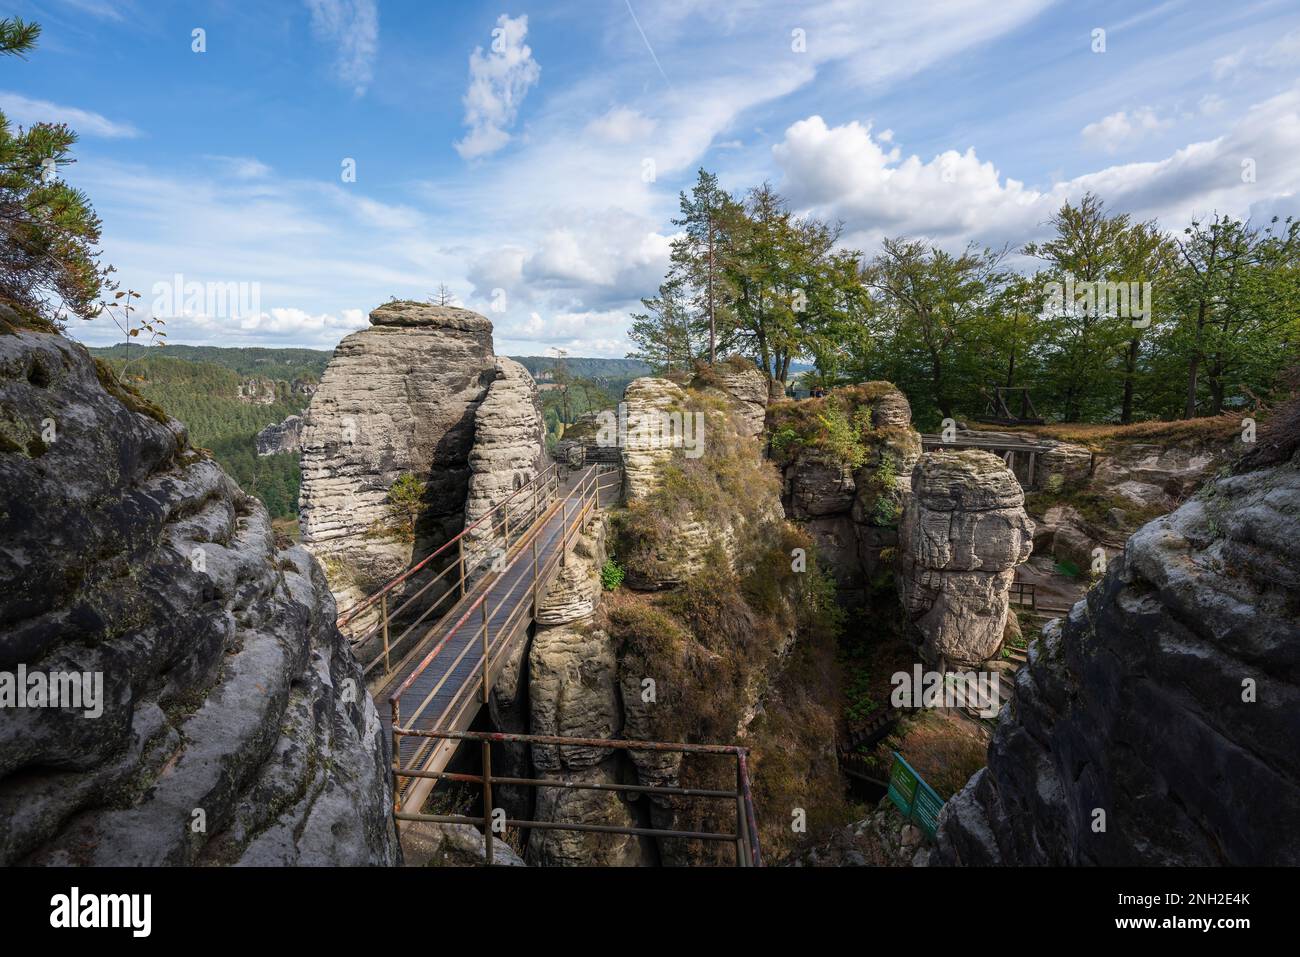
x=611, y=575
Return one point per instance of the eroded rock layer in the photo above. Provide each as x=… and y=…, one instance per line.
x=397, y=399
x=233, y=724
x=509, y=450
x=963, y=533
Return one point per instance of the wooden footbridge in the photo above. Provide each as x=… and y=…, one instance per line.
x=494, y=575
x=1020, y=454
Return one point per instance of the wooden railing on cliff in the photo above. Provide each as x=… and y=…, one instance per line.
x=524, y=506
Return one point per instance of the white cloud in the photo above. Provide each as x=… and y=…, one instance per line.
x=498, y=82
x=21, y=109
x=241, y=167
x=353, y=26
x=621, y=125
x=1280, y=54
x=1211, y=104
x=844, y=173
x=1120, y=130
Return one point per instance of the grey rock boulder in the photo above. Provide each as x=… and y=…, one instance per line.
x=235, y=727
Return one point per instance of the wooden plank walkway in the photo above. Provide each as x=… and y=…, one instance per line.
x=439, y=684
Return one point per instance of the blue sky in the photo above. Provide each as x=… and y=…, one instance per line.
x=529, y=156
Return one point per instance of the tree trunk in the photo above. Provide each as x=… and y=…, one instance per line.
x=713, y=358
x=1130, y=369
x=1189, y=411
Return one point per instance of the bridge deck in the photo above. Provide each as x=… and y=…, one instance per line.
x=439, y=684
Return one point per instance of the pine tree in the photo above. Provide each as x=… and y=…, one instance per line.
x=49, y=233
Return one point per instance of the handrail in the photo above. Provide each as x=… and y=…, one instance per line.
x=360, y=606
x=744, y=838
x=585, y=494
x=540, y=523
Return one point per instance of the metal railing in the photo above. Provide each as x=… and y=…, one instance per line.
x=523, y=506
x=574, y=510
x=1023, y=593
x=745, y=836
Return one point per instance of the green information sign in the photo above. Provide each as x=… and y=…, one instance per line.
x=916, y=800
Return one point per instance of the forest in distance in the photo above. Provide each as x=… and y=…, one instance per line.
x=201, y=386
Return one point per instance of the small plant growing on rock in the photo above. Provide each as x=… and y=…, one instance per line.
x=405, y=503
x=611, y=575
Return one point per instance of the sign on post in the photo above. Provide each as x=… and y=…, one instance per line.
x=916, y=800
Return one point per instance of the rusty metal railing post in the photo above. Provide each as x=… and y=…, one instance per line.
x=397, y=755
x=460, y=548
x=383, y=612
x=534, y=577
x=755, y=852
x=742, y=831
x=487, y=803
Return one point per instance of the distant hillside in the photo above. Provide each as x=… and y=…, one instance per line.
x=580, y=368
x=206, y=397
x=288, y=364
x=275, y=364
x=201, y=386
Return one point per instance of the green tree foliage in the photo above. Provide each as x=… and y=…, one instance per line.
x=934, y=327
x=49, y=233
x=1237, y=308
x=1214, y=329
x=670, y=334
x=1091, y=356
x=205, y=396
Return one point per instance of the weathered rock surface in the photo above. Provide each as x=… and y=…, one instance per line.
x=884, y=839
x=453, y=845
x=397, y=398
x=747, y=388
x=853, y=513
x=283, y=437
x=963, y=533
x=647, y=444
x=509, y=450
x=573, y=692
x=235, y=727
x=1169, y=700
x=258, y=391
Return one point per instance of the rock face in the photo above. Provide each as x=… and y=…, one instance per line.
x=233, y=724
x=573, y=691
x=646, y=447
x=509, y=450
x=397, y=398
x=964, y=531
x=258, y=391
x=283, y=437
x=1169, y=700
x=853, y=512
x=1128, y=484
x=747, y=388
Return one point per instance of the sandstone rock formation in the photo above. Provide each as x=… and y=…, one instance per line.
x=398, y=398
x=851, y=511
x=509, y=450
x=1167, y=701
x=573, y=691
x=1094, y=499
x=963, y=533
x=281, y=438
x=647, y=445
x=258, y=391
x=235, y=727
x=425, y=844
x=746, y=387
